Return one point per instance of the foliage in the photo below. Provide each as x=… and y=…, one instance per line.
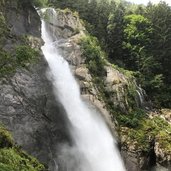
x=94, y=55
x=22, y=56
x=3, y=29
x=137, y=29
x=13, y=158
x=37, y=3
x=128, y=73
x=148, y=130
x=115, y=34
x=25, y=54
x=7, y=64
x=131, y=120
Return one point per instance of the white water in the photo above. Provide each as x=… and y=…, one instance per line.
x=141, y=96
x=94, y=146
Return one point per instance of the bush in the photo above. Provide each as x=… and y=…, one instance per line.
x=13, y=158
x=7, y=63
x=25, y=54
x=21, y=57
x=94, y=55
x=131, y=120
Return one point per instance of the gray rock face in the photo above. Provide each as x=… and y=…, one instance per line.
x=28, y=108
x=22, y=18
x=63, y=24
x=117, y=85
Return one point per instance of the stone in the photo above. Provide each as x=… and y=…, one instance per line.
x=82, y=73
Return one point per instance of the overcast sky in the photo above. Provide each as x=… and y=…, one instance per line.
x=146, y=1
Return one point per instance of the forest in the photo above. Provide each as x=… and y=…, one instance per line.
x=134, y=37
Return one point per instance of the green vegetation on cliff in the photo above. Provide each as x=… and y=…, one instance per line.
x=135, y=37
x=145, y=132
x=96, y=61
x=3, y=28
x=95, y=57
x=22, y=56
x=12, y=158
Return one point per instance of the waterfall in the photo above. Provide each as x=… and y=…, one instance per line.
x=141, y=97
x=94, y=148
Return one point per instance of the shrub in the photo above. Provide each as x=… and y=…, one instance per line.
x=21, y=57
x=132, y=119
x=94, y=55
x=25, y=54
x=7, y=63
x=12, y=158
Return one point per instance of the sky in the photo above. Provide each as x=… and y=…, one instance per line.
x=146, y=1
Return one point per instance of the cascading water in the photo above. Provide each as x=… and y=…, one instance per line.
x=141, y=97
x=94, y=146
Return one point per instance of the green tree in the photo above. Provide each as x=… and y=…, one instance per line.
x=115, y=34
x=137, y=31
